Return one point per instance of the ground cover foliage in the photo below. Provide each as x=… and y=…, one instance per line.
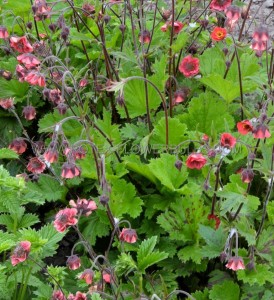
x=136, y=150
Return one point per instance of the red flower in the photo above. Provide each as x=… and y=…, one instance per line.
x=247, y=175
x=144, y=37
x=235, y=263
x=220, y=5
x=178, y=26
x=20, y=44
x=6, y=103
x=196, y=161
x=21, y=252
x=18, y=145
x=29, y=112
x=87, y=275
x=218, y=34
x=36, y=166
x=29, y=60
x=73, y=262
x=189, y=66
x=65, y=218
x=128, y=235
x=261, y=131
x=244, y=127
x=21, y=73
x=216, y=219
x=228, y=141
x=70, y=170
x=36, y=78
x=83, y=206
x=3, y=32
x=51, y=155
x=58, y=295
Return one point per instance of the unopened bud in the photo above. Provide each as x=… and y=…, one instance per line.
x=178, y=164
x=104, y=199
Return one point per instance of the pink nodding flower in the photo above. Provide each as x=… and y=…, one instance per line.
x=73, y=262
x=21, y=252
x=21, y=73
x=29, y=60
x=247, y=175
x=51, y=155
x=83, y=82
x=178, y=26
x=20, y=44
x=65, y=218
x=189, y=66
x=107, y=277
x=87, y=275
x=70, y=170
x=128, y=235
x=144, y=37
x=261, y=131
x=36, y=166
x=3, y=32
x=220, y=5
x=196, y=161
x=79, y=153
x=29, y=112
x=227, y=140
x=261, y=34
x=235, y=263
x=80, y=296
x=258, y=45
x=58, y=295
x=41, y=10
x=233, y=13
x=18, y=145
x=84, y=207
x=180, y=95
x=35, y=78
x=6, y=103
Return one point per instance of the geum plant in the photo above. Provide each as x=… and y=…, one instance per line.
x=136, y=150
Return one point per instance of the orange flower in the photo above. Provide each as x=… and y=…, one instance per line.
x=218, y=34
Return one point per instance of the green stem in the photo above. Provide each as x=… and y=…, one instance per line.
x=22, y=296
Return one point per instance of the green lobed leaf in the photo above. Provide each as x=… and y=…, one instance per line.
x=6, y=153
x=133, y=163
x=123, y=199
x=215, y=241
x=176, y=133
x=135, y=98
x=146, y=256
x=191, y=252
x=165, y=171
x=260, y=275
x=202, y=117
x=228, y=290
x=49, y=188
x=96, y=225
